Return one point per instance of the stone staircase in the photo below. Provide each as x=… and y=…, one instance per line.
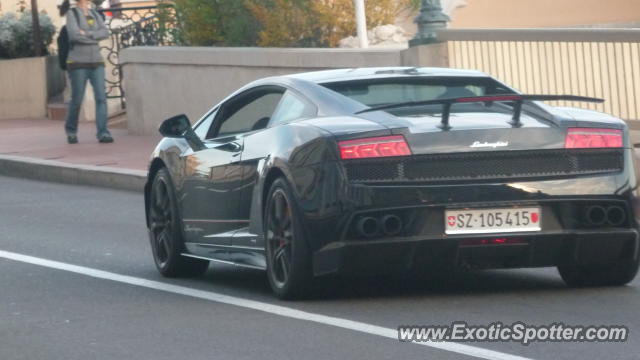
x=57, y=108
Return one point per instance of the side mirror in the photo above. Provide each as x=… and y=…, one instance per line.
x=175, y=127
x=180, y=127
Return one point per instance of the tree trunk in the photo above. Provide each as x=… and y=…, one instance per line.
x=37, y=36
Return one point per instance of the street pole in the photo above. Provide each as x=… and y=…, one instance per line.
x=361, y=21
x=37, y=36
x=430, y=20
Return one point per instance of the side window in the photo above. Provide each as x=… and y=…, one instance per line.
x=291, y=107
x=203, y=126
x=248, y=113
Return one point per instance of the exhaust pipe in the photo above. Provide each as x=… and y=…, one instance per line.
x=616, y=215
x=367, y=226
x=596, y=215
x=391, y=225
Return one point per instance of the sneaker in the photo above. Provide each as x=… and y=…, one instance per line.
x=72, y=139
x=106, y=138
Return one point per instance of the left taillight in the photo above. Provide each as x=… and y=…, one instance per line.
x=376, y=147
x=583, y=138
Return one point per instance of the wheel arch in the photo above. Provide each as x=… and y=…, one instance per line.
x=155, y=166
x=272, y=174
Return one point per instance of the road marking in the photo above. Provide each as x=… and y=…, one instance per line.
x=256, y=305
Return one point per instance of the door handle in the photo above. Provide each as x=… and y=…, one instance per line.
x=231, y=147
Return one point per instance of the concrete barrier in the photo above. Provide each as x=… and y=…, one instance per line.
x=23, y=88
x=161, y=82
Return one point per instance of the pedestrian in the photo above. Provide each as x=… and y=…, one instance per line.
x=85, y=63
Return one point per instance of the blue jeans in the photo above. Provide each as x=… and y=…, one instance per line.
x=78, y=78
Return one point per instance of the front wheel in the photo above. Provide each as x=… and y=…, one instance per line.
x=599, y=275
x=288, y=257
x=165, y=232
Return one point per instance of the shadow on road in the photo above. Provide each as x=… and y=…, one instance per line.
x=405, y=285
x=439, y=284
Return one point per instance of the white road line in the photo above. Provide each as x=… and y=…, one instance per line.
x=256, y=305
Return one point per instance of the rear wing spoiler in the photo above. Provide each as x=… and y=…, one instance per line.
x=516, y=98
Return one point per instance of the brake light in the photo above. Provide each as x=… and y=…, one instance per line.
x=580, y=138
x=385, y=146
x=494, y=241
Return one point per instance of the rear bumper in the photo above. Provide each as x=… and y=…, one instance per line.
x=331, y=214
x=540, y=250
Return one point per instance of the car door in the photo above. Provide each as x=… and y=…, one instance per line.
x=211, y=198
x=291, y=107
x=208, y=190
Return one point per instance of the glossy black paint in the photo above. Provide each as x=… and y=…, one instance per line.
x=222, y=184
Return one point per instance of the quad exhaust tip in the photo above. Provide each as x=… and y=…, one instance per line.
x=616, y=215
x=388, y=225
x=596, y=215
x=391, y=225
x=367, y=226
x=612, y=215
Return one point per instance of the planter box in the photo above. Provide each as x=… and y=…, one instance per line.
x=26, y=84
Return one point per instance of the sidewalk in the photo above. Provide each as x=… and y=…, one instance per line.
x=37, y=148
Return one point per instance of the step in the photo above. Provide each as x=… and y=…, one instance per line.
x=57, y=111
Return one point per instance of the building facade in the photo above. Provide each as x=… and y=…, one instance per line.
x=543, y=13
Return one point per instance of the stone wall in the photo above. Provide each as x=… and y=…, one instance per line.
x=23, y=93
x=164, y=81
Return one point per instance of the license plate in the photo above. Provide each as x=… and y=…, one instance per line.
x=479, y=221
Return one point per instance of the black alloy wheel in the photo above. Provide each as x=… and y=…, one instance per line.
x=288, y=259
x=165, y=232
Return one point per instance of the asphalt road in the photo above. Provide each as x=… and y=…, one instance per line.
x=53, y=310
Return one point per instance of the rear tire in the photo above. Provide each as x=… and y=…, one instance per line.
x=165, y=231
x=599, y=275
x=287, y=251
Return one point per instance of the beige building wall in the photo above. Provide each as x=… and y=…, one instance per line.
x=545, y=13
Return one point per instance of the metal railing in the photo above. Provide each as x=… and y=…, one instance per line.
x=592, y=62
x=130, y=26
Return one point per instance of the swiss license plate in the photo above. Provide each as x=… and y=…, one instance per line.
x=478, y=221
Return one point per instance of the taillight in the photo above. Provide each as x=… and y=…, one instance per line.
x=385, y=146
x=580, y=138
x=495, y=241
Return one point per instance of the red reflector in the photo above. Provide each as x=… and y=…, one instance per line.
x=580, y=138
x=385, y=146
x=494, y=241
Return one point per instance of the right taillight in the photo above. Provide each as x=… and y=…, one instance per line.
x=582, y=138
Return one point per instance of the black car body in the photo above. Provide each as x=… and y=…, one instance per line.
x=383, y=204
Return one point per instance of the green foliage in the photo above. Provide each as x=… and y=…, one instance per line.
x=208, y=22
x=317, y=22
x=283, y=22
x=16, y=34
x=320, y=23
x=415, y=4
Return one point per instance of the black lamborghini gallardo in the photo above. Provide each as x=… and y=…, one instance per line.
x=378, y=170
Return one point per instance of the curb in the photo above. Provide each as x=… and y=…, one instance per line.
x=75, y=174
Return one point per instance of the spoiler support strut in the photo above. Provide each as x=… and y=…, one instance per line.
x=518, y=101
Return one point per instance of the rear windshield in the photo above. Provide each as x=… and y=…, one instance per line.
x=399, y=90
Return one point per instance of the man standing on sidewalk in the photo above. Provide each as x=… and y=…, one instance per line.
x=85, y=63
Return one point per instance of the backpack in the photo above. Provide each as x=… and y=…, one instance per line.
x=64, y=45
